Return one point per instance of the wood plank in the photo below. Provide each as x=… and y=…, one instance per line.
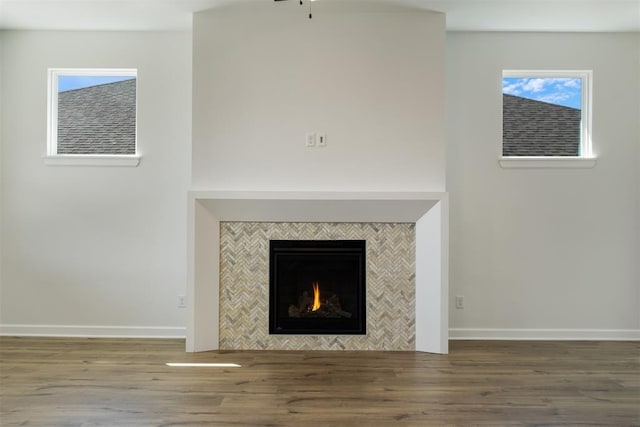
x=125, y=382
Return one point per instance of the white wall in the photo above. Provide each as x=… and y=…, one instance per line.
x=1, y=175
x=530, y=249
x=549, y=248
x=95, y=246
x=372, y=80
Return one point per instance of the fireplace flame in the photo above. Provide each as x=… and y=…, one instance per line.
x=316, y=296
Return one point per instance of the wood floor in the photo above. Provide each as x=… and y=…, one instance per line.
x=114, y=382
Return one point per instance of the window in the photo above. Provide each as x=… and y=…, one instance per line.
x=546, y=119
x=92, y=117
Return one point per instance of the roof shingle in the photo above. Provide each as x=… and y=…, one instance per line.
x=98, y=119
x=535, y=128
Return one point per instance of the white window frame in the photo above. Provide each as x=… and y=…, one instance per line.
x=52, y=157
x=587, y=158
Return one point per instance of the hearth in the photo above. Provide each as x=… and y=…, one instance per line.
x=317, y=287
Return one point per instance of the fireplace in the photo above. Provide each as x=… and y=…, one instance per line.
x=406, y=256
x=317, y=287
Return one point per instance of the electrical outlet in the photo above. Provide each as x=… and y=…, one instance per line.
x=310, y=139
x=459, y=301
x=182, y=301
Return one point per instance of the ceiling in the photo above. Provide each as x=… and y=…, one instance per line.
x=462, y=15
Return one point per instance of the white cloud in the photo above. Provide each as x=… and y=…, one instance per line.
x=536, y=85
x=512, y=89
x=554, y=98
x=573, y=83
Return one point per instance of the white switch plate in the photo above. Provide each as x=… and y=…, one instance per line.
x=310, y=139
x=321, y=139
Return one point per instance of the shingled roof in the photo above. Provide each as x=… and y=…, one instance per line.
x=535, y=128
x=98, y=119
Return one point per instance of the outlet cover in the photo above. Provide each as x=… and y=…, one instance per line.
x=310, y=139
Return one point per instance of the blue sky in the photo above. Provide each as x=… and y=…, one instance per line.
x=76, y=82
x=560, y=91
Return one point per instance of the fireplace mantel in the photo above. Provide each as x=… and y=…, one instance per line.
x=428, y=210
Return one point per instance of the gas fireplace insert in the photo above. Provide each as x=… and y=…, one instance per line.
x=317, y=287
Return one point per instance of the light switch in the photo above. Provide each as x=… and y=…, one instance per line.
x=321, y=139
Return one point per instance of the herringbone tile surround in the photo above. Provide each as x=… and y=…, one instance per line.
x=244, y=285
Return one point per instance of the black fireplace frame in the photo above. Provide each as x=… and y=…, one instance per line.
x=284, y=325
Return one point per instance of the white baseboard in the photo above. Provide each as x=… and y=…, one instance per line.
x=454, y=333
x=545, y=334
x=93, y=331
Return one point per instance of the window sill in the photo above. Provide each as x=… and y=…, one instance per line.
x=547, y=162
x=91, y=160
